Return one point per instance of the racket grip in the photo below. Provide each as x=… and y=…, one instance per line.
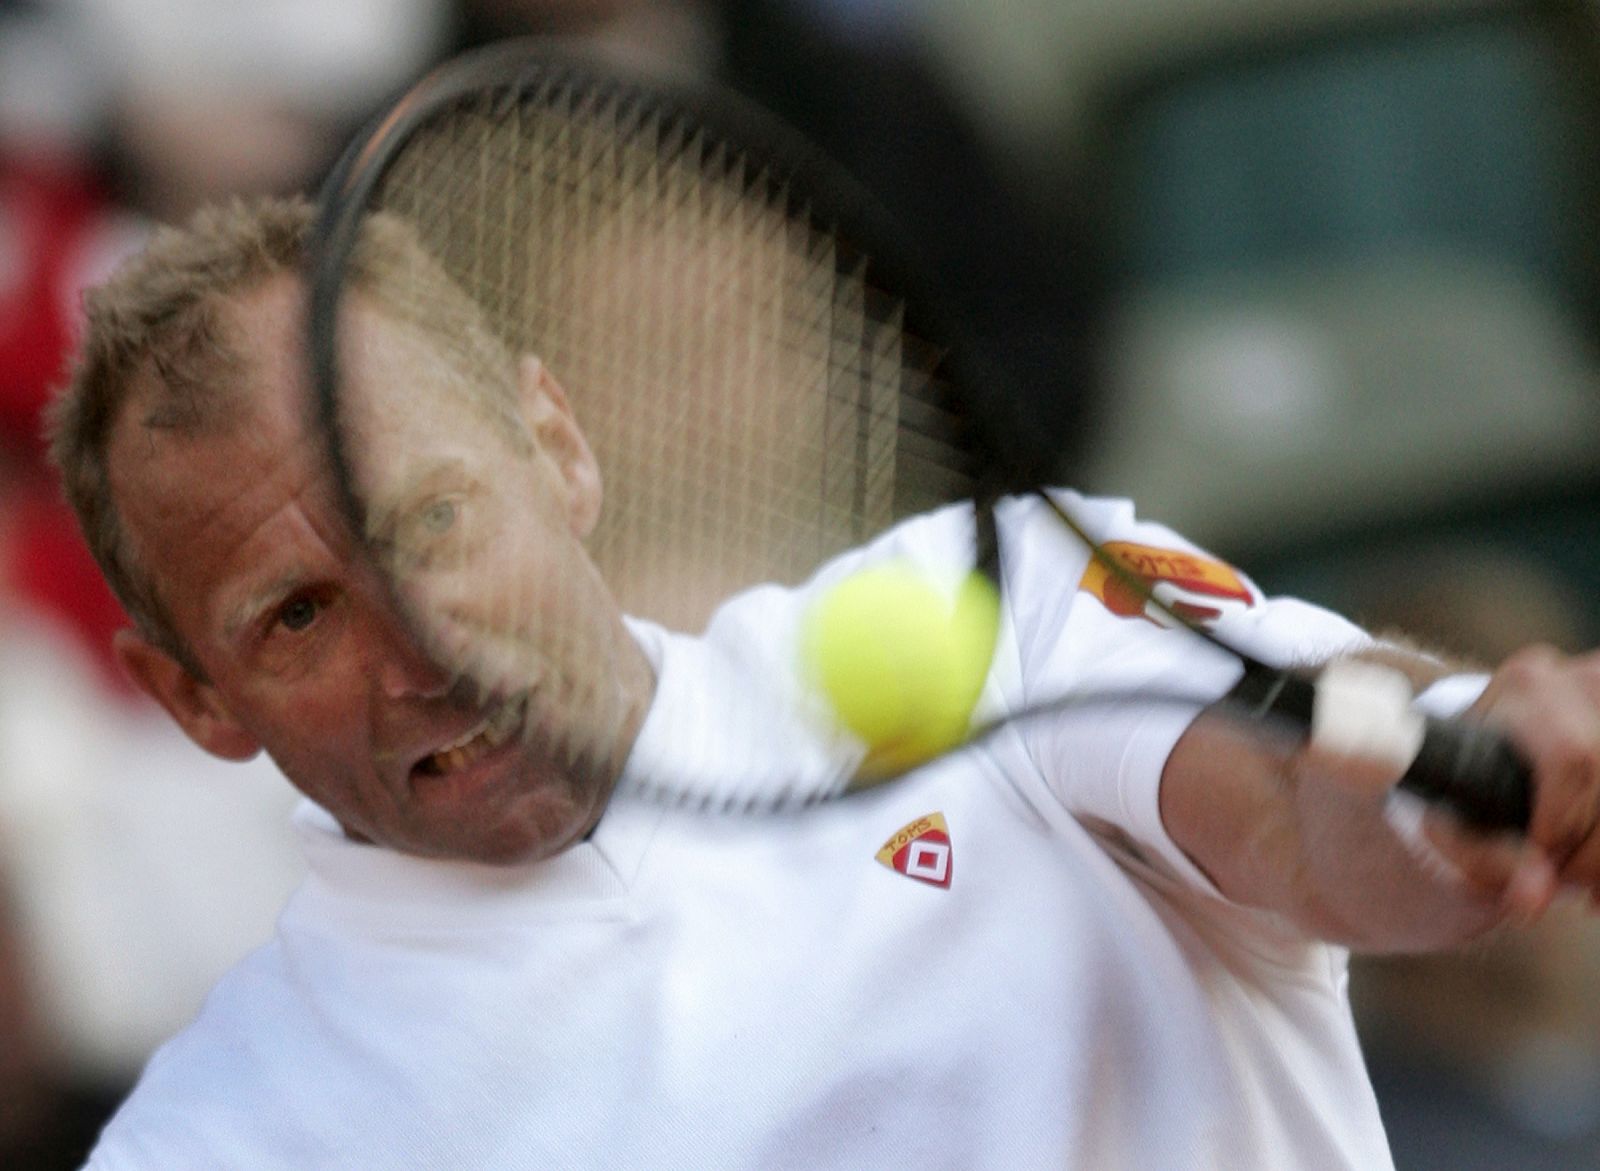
x=1474, y=772
x=1469, y=768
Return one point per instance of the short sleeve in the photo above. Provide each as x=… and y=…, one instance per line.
x=1137, y=681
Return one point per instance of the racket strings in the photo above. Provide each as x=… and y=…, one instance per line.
x=753, y=402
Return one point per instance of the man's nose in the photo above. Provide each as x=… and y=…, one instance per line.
x=403, y=670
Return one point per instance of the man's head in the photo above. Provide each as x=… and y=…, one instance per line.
x=182, y=442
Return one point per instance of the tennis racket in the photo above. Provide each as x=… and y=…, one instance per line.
x=660, y=352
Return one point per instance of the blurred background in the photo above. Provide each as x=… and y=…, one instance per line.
x=1315, y=281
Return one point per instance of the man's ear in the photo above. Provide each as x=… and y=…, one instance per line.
x=195, y=705
x=549, y=416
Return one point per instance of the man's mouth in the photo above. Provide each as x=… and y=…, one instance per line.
x=476, y=742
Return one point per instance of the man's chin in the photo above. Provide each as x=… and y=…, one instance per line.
x=539, y=826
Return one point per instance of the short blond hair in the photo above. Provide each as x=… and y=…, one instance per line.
x=160, y=325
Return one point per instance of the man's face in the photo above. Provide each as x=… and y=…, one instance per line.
x=302, y=650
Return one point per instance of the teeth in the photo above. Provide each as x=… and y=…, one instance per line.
x=465, y=739
x=485, y=737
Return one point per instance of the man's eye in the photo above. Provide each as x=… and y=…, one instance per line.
x=298, y=613
x=438, y=516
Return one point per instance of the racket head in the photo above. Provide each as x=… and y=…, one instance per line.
x=665, y=290
x=657, y=281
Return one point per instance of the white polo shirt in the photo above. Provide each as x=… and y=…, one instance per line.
x=999, y=962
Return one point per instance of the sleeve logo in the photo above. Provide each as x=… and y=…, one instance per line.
x=1197, y=587
x=921, y=850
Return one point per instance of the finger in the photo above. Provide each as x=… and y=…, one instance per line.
x=1505, y=869
x=1567, y=800
x=1580, y=871
x=1531, y=890
x=1551, y=708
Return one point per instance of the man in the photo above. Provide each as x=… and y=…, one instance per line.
x=1123, y=971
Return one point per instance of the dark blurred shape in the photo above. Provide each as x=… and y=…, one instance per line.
x=1354, y=271
x=1472, y=131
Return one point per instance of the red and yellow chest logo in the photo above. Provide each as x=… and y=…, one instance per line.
x=921, y=850
x=1196, y=587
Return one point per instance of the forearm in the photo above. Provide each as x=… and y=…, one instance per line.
x=1272, y=831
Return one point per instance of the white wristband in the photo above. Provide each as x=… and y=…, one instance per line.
x=1446, y=698
x=1364, y=709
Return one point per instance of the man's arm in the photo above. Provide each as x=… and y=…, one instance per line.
x=1304, y=833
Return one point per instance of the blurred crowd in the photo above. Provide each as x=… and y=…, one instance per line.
x=133, y=869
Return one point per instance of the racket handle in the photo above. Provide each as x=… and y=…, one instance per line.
x=1469, y=768
x=1473, y=771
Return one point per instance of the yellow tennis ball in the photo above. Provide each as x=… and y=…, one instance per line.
x=901, y=663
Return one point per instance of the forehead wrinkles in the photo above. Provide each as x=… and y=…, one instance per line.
x=167, y=484
x=144, y=437
x=206, y=425
x=182, y=396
